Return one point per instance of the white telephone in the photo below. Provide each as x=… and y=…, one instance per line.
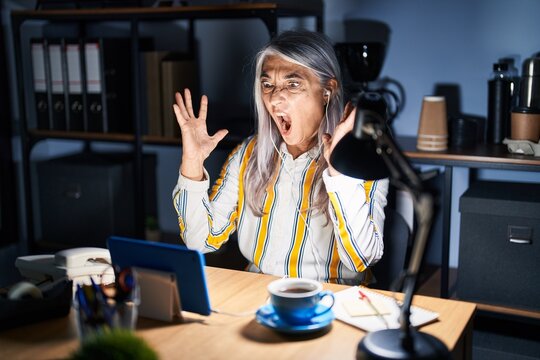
x=78, y=264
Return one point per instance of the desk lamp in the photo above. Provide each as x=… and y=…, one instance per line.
x=359, y=155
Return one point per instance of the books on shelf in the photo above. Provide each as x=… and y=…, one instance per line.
x=40, y=82
x=152, y=68
x=84, y=84
x=58, y=82
x=177, y=73
x=75, y=101
x=165, y=74
x=109, y=85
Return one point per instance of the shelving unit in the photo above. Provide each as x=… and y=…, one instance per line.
x=268, y=13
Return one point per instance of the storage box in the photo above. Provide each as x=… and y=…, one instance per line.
x=87, y=197
x=499, y=250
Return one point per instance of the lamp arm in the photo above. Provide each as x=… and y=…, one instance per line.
x=402, y=172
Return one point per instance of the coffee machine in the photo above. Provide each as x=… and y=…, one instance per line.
x=361, y=64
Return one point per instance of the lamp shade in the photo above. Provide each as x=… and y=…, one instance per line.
x=356, y=154
x=358, y=158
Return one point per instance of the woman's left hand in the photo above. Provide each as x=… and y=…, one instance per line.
x=330, y=141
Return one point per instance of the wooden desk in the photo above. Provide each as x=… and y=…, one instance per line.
x=483, y=156
x=221, y=336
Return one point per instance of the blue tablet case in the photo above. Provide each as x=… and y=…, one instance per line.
x=186, y=264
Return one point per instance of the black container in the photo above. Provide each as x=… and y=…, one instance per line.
x=56, y=302
x=463, y=133
x=499, y=247
x=529, y=96
x=499, y=104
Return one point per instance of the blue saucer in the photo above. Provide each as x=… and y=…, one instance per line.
x=267, y=316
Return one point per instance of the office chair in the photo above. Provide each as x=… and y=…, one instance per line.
x=397, y=244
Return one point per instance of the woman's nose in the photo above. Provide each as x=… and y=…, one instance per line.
x=277, y=95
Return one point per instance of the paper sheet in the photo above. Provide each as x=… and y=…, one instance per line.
x=372, y=322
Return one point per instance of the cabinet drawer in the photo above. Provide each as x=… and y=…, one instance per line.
x=499, y=252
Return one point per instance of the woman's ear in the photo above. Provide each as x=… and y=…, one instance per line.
x=330, y=88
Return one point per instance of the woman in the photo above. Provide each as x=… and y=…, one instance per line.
x=295, y=215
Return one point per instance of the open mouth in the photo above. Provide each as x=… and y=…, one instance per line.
x=284, y=123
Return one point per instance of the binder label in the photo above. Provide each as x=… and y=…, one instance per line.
x=57, y=79
x=38, y=67
x=73, y=56
x=93, y=68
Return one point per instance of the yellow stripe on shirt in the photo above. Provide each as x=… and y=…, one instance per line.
x=334, y=262
x=243, y=165
x=368, y=187
x=221, y=179
x=344, y=235
x=264, y=222
x=217, y=239
x=301, y=223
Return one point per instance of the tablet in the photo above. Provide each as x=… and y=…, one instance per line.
x=187, y=265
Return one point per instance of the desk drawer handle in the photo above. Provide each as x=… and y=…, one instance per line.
x=520, y=241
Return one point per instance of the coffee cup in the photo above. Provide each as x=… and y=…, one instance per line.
x=525, y=124
x=433, y=127
x=295, y=300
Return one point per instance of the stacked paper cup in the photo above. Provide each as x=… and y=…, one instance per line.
x=433, y=127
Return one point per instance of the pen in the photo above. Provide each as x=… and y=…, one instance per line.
x=102, y=307
x=83, y=304
x=364, y=297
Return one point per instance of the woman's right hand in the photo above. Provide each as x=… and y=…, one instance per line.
x=196, y=143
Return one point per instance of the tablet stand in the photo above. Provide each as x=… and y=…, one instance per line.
x=159, y=295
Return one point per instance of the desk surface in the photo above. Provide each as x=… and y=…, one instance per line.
x=480, y=156
x=221, y=336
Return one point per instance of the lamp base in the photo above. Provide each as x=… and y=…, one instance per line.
x=387, y=344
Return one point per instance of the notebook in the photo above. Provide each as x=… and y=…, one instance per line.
x=352, y=310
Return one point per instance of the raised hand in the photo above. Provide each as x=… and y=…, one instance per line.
x=197, y=145
x=330, y=141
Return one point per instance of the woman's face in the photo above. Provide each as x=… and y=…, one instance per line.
x=294, y=98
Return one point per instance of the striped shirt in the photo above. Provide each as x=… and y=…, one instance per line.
x=290, y=239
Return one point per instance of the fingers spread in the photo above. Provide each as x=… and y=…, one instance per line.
x=348, y=109
x=219, y=135
x=203, y=111
x=179, y=118
x=181, y=106
x=189, y=103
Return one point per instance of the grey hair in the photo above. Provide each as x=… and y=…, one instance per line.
x=314, y=51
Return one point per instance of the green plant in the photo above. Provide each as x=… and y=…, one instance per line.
x=151, y=223
x=117, y=344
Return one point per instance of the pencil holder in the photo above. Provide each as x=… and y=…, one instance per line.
x=97, y=313
x=433, y=127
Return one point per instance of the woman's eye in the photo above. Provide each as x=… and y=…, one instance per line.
x=266, y=86
x=293, y=85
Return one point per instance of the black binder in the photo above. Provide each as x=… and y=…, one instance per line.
x=40, y=79
x=109, y=85
x=95, y=82
x=58, y=95
x=75, y=101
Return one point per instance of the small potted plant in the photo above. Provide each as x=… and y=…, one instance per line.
x=152, y=232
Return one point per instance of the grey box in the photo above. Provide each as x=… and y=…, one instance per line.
x=499, y=249
x=85, y=198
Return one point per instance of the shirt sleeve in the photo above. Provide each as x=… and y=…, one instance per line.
x=357, y=212
x=207, y=220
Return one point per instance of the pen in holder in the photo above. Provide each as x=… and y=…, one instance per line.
x=100, y=308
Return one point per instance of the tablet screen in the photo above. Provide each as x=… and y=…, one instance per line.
x=186, y=264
